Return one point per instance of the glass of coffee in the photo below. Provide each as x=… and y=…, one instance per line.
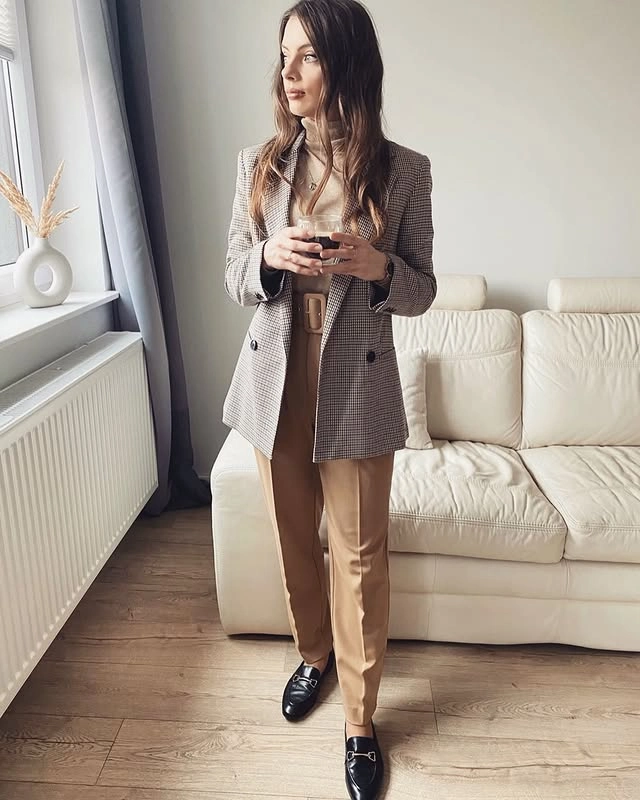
x=321, y=226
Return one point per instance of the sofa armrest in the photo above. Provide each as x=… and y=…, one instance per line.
x=248, y=582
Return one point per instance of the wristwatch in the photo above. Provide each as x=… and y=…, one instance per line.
x=388, y=273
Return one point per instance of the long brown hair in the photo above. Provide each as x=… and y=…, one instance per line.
x=344, y=39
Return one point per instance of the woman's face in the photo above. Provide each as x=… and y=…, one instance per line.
x=301, y=73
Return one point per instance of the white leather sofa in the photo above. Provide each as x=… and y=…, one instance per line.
x=522, y=524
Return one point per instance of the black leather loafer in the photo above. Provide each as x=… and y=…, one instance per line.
x=301, y=692
x=363, y=766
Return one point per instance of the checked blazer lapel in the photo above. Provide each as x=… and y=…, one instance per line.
x=276, y=210
x=340, y=283
x=276, y=217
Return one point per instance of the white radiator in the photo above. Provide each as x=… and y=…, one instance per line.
x=77, y=465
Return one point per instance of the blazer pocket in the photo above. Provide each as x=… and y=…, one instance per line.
x=373, y=357
x=383, y=368
x=382, y=356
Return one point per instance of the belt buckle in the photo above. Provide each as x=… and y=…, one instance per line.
x=314, y=305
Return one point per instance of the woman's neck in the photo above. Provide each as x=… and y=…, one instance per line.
x=336, y=133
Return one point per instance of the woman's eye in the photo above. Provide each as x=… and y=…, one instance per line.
x=307, y=56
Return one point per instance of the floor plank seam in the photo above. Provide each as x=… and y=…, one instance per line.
x=435, y=711
x=155, y=665
x=48, y=783
x=109, y=753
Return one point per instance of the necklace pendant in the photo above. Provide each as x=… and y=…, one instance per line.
x=313, y=186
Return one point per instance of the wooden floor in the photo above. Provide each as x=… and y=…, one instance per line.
x=143, y=697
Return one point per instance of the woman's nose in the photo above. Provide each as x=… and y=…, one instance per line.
x=288, y=71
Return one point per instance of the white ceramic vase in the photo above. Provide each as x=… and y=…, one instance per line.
x=40, y=254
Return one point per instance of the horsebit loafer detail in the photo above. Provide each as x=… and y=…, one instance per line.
x=363, y=766
x=302, y=689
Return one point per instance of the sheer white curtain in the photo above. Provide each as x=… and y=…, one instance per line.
x=113, y=62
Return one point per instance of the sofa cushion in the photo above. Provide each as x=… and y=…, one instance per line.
x=469, y=499
x=580, y=379
x=473, y=372
x=412, y=367
x=597, y=491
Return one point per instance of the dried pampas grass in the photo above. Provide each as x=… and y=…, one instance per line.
x=47, y=222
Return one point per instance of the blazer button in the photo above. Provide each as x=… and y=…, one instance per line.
x=371, y=357
x=253, y=344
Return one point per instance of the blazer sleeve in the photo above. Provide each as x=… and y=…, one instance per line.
x=413, y=285
x=245, y=280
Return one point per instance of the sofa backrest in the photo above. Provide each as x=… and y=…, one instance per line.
x=460, y=292
x=473, y=372
x=581, y=378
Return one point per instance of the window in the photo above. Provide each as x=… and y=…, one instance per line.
x=19, y=142
x=12, y=235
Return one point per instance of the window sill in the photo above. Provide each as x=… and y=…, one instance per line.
x=18, y=321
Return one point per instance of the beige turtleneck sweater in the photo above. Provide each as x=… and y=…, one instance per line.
x=310, y=167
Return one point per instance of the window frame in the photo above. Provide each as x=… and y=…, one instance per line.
x=28, y=155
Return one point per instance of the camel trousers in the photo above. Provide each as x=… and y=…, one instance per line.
x=353, y=617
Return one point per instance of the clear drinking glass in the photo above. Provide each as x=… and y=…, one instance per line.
x=321, y=226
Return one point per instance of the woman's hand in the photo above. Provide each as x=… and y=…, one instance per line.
x=288, y=249
x=361, y=259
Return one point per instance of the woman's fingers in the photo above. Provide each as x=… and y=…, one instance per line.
x=348, y=238
x=304, y=247
x=300, y=269
x=291, y=249
x=298, y=233
x=297, y=252
x=347, y=254
x=297, y=261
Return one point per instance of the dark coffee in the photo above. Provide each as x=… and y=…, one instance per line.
x=326, y=242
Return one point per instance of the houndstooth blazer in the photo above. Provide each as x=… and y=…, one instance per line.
x=360, y=412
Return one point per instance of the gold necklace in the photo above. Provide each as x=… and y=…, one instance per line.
x=313, y=183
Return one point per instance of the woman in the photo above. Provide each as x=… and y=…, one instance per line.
x=316, y=389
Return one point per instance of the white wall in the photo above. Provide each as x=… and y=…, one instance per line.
x=527, y=110
x=210, y=98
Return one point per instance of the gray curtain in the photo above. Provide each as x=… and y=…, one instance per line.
x=116, y=87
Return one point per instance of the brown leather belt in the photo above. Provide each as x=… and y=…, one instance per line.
x=310, y=309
